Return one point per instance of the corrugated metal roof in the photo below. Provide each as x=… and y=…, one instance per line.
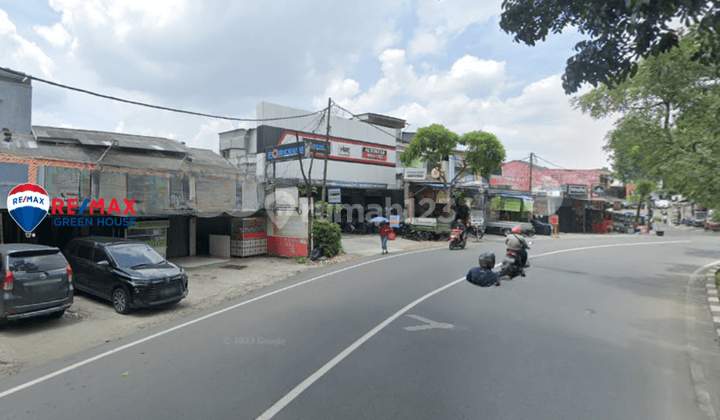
x=103, y=138
x=25, y=145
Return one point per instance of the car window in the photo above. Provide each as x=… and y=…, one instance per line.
x=36, y=261
x=132, y=255
x=84, y=252
x=100, y=255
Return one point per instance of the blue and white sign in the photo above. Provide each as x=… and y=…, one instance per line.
x=334, y=196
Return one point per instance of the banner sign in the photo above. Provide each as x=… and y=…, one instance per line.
x=374, y=153
x=415, y=173
x=577, y=190
x=394, y=220
x=288, y=151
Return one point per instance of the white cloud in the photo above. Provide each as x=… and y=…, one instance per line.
x=440, y=21
x=56, y=35
x=20, y=54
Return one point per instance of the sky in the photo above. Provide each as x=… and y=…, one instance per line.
x=425, y=61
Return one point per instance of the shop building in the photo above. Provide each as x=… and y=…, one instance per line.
x=361, y=166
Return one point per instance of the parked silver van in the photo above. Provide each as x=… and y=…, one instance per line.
x=35, y=280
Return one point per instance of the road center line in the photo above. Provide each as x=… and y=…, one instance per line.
x=177, y=327
x=210, y=315
x=295, y=392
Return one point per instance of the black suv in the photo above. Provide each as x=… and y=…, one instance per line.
x=129, y=273
x=36, y=280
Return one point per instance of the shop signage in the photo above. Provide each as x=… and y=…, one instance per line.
x=374, y=153
x=395, y=220
x=598, y=190
x=315, y=147
x=334, y=196
x=554, y=219
x=424, y=221
x=415, y=173
x=151, y=224
x=577, y=190
x=285, y=152
x=344, y=150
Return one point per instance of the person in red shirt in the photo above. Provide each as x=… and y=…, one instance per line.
x=384, y=230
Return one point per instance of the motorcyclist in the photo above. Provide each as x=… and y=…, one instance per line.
x=460, y=225
x=516, y=243
x=483, y=275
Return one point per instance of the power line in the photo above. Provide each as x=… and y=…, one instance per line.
x=371, y=124
x=113, y=98
x=544, y=160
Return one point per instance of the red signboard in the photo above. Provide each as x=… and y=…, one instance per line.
x=374, y=153
x=554, y=220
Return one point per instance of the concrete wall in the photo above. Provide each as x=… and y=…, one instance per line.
x=15, y=103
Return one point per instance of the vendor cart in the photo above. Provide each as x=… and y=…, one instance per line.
x=426, y=229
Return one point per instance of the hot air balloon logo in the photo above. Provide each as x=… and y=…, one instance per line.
x=28, y=205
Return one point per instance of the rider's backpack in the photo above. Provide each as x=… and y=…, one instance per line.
x=481, y=277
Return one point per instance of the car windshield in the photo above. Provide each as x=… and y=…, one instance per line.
x=135, y=255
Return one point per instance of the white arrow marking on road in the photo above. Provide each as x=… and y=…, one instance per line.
x=429, y=324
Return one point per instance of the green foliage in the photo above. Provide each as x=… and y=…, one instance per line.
x=644, y=187
x=329, y=208
x=302, y=190
x=618, y=33
x=485, y=152
x=433, y=143
x=327, y=237
x=668, y=128
x=301, y=260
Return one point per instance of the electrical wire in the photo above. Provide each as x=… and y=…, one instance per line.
x=371, y=124
x=546, y=161
x=113, y=98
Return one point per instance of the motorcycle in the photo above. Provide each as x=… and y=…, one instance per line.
x=457, y=239
x=510, y=267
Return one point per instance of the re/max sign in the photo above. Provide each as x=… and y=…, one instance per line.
x=95, y=206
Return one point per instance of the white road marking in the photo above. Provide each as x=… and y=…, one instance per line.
x=712, y=292
x=177, y=327
x=289, y=397
x=428, y=324
x=714, y=308
x=210, y=315
x=716, y=319
x=714, y=300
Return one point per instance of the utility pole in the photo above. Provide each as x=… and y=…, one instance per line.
x=327, y=152
x=531, y=168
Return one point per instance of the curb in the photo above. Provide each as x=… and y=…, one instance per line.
x=713, y=298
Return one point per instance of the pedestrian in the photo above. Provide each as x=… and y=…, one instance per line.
x=385, y=230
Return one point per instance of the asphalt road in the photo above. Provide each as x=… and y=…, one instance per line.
x=601, y=328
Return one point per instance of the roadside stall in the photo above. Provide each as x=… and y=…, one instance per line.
x=509, y=209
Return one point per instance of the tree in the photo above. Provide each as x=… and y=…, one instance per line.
x=436, y=143
x=668, y=129
x=643, y=188
x=619, y=32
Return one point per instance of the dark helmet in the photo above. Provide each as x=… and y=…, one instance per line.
x=487, y=260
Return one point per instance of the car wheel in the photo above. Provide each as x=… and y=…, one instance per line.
x=121, y=301
x=56, y=315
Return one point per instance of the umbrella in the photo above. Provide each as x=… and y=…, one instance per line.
x=379, y=219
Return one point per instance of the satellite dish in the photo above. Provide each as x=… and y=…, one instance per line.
x=435, y=173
